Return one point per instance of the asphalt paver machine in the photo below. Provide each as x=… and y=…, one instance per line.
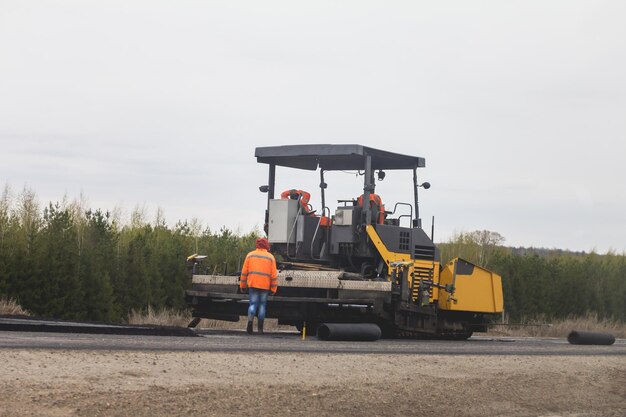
x=358, y=264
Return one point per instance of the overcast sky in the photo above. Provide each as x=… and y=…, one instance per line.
x=518, y=107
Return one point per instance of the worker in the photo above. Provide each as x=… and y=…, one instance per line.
x=259, y=278
x=302, y=196
x=377, y=206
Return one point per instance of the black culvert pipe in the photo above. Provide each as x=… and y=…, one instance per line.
x=363, y=332
x=590, y=338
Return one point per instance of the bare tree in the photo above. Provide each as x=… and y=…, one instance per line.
x=485, y=241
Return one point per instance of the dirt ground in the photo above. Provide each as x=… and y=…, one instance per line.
x=121, y=383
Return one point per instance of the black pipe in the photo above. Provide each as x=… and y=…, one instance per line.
x=322, y=188
x=362, y=332
x=590, y=338
x=368, y=188
x=271, y=182
x=417, y=207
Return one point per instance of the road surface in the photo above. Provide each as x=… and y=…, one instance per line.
x=238, y=341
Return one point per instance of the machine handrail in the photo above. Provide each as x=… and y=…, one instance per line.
x=403, y=215
x=291, y=232
x=316, y=230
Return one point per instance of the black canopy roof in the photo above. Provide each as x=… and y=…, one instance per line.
x=334, y=157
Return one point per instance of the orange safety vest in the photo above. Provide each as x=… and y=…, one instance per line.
x=375, y=198
x=259, y=271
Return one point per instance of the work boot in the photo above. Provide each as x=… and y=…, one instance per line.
x=260, y=326
x=249, y=328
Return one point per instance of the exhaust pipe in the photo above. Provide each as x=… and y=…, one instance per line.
x=362, y=332
x=590, y=338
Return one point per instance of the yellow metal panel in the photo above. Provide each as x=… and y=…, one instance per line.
x=479, y=292
x=390, y=257
x=387, y=256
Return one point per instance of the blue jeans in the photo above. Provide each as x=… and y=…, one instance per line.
x=258, y=299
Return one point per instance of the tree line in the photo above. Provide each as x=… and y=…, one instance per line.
x=67, y=261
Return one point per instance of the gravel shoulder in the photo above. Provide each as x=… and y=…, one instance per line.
x=119, y=383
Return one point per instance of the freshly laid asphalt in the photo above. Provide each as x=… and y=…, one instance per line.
x=238, y=341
